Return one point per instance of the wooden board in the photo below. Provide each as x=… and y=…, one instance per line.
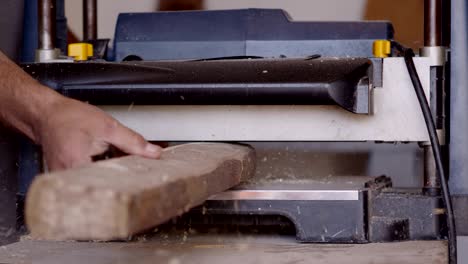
x=117, y=198
x=226, y=249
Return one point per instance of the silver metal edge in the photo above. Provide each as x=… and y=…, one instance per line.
x=289, y=195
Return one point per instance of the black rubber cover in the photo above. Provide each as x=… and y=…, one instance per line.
x=310, y=81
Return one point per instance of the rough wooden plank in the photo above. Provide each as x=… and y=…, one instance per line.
x=117, y=198
x=225, y=249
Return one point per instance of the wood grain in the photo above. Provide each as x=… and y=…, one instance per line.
x=251, y=248
x=117, y=198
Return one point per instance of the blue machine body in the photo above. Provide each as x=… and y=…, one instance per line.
x=247, y=32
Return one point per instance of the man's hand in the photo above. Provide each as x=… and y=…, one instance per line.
x=71, y=132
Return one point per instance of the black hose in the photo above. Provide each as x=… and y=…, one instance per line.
x=451, y=232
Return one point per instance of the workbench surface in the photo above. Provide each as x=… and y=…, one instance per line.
x=194, y=248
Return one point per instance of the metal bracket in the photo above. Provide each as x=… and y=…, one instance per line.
x=437, y=55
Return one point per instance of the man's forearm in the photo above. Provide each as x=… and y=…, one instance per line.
x=23, y=101
x=69, y=131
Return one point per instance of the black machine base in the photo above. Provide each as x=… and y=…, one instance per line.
x=373, y=212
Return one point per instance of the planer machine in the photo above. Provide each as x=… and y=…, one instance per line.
x=342, y=146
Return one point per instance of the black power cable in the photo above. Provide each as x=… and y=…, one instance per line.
x=408, y=55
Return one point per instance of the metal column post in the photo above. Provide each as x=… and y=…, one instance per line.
x=433, y=48
x=89, y=20
x=46, y=30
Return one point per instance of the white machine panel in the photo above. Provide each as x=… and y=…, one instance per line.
x=396, y=117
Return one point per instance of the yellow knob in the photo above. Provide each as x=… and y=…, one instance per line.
x=382, y=48
x=80, y=51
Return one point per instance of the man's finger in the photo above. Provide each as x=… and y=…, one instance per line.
x=132, y=143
